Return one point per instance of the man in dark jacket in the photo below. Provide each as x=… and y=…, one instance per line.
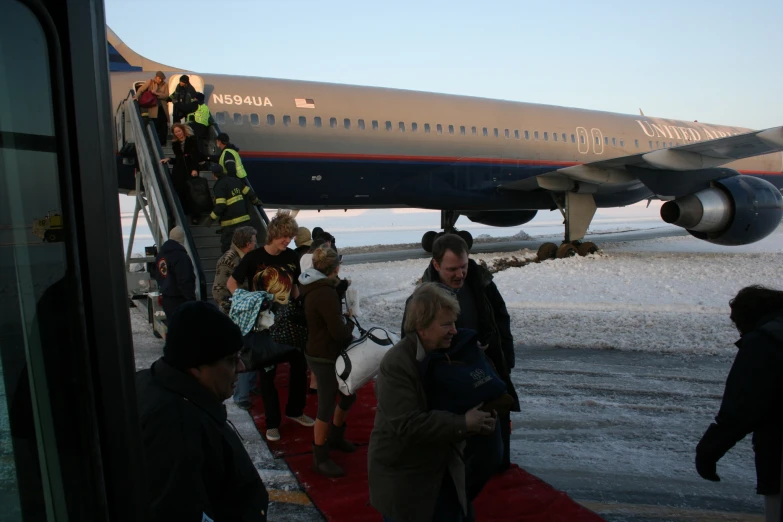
x=197, y=467
x=175, y=275
x=753, y=397
x=482, y=309
x=184, y=98
x=230, y=207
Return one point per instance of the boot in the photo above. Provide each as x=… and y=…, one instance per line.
x=323, y=464
x=336, y=439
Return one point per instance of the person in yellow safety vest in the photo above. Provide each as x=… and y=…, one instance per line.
x=199, y=122
x=230, y=207
x=229, y=157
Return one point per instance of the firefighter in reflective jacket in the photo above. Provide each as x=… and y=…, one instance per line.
x=229, y=157
x=230, y=207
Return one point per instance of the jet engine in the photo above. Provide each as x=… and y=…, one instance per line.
x=501, y=218
x=734, y=211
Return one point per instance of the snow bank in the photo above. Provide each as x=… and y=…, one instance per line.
x=665, y=295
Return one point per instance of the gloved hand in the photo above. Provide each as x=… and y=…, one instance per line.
x=706, y=468
x=208, y=221
x=256, y=202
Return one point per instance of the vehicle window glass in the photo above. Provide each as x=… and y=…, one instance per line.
x=360, y=124
x=402, y=126
x=333, y=123
x=414, y=127
x=495, y=131
x=564, y=137
x=237, y=119
x=451, y=129
x=427, y=128
x=374, y=124
x=439, y=128
x=507, y=133
x=388, y=126
x=317, y=121
x=302, y=121
x=606, y=140
x=516, y=134
x=462, y=130
x=546, y=136
x=270, y=120
x=535, y=134
x=485, y=132
x=220, y=117
x=573, y=140
x=554, y=135
x=286, y=120
x=347, y=123
x=527, y=135
x=473, y=131
x=614, y=141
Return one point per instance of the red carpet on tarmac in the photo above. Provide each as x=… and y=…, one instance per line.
x=513, y=496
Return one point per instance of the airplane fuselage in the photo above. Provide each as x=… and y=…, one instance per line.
x=316, y=146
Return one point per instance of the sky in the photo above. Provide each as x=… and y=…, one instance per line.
x=716, y=61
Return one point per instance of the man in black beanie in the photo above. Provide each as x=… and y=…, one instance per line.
x=197, y=467
x=184, y=98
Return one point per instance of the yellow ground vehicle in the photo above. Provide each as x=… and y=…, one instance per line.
x=50, y=228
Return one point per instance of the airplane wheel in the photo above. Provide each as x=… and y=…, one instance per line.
x=464, y=234
x=587, y=248
x=547, y=251
x=427, y=240
x=566, y=250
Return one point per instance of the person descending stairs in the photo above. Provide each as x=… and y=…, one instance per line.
x=230, y=207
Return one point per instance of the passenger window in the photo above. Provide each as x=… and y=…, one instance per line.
x=427, y=128
x=286, y=120
x=527, y=135
x=317, y=121
x=606, y=140
x=361, y=124
x=516, y=134
x=554, y=135
x=573, y=140
x=636, y=143
x=302, y=121
x=535, y=135
x=614, y=141
x=581, y=139
x=402, y=126
x=507, y=133
x=564, y=137
x=374, y=124
x=439, y=128
x=651, y=145
x=270, y=120
x=254, y=120
x=237, y=119
x=462, y=130
x=473, y=131
x=546, y=136
x=333, y=123
x=597, y=140
x=347, y=123
x=495, y=132
x=388, y=126
x=451, y=129
x=622, y=142
x=485, y=132
x=414, y=127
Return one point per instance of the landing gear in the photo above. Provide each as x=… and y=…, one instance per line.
x=448, y=218
x=578, y=210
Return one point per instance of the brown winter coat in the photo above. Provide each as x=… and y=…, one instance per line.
x=327, y=331
x=411, y=447
x=161, y=91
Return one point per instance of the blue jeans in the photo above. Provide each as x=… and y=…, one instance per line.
x=244, y=384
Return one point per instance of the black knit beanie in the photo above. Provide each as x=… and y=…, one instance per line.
x=199, y=333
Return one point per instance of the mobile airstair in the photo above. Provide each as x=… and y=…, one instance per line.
x=158, y=202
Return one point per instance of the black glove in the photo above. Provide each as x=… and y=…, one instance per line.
x=706, y=468
x=208, y=222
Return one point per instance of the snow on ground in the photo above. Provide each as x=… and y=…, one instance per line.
x=660, y=295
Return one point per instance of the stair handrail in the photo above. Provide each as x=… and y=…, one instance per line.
x=156, y=200
x=178, y=213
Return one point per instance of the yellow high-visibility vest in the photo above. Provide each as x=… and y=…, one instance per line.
x=200, y=116
x=240, y=168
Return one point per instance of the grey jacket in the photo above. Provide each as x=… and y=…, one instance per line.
x=411, y=447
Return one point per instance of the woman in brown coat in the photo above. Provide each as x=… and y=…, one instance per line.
x=157, y=113
x=327, y=334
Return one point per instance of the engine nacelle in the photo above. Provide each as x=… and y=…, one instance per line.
x=735, y=211
x=502, y=218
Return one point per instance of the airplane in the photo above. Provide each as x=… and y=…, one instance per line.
x=309, y=145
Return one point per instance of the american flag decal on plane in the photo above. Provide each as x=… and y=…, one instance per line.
x=304, y=103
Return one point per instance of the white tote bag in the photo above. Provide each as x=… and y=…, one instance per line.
x=359, y=363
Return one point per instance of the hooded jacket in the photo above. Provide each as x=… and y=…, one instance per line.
x=327, y=332
x=753, y=403
x=196, y=464
x=493, y=320
x=175, y=274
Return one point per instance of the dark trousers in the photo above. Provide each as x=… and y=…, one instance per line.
x=201, y=132
x=483, y=455
x=297, y=390
x=162, y=125
x=170, y=304
x=227, y=235
x=447, y=507
x=504, y=424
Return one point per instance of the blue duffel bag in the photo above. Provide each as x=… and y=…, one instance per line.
x=462, y=377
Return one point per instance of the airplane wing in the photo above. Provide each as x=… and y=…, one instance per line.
x=695, y=156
